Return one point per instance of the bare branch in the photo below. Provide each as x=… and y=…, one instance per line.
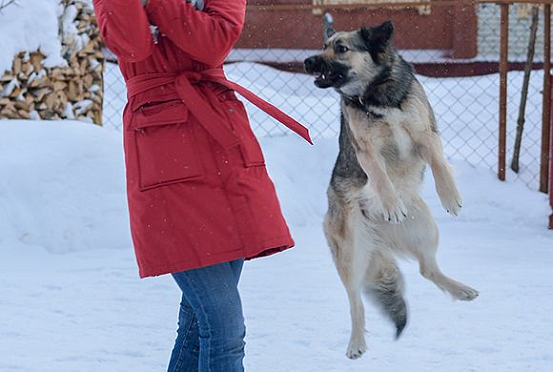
x=6, y=3
x=525, y=83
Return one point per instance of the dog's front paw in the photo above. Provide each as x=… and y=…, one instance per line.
x=452, y=203
x=449, y=196
x=356, y=349
x=393, y=210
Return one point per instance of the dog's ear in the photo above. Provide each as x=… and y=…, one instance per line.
x=328, y=26
x=379, y=35
x=328, y=32
x=384, y=32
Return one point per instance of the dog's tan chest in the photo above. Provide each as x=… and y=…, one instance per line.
x=388, y=135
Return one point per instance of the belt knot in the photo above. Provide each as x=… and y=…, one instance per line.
x=192, y=76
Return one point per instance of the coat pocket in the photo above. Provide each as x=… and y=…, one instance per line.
x=238, y=117
x=165, y=145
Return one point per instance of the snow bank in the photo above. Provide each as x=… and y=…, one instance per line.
x=27, y=26
x=61, y=186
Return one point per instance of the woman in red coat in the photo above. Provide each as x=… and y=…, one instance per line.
x=200, y=199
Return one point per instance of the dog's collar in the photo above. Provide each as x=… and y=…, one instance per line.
x=358, y=102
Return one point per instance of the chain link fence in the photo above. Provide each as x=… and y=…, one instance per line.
x=465, y=98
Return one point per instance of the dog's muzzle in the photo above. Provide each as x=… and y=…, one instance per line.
x=312, y=64
x=326, y=77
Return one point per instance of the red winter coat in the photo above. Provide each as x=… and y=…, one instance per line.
x=198, y=190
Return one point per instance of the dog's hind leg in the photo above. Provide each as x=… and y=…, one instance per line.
x=425, y=234
x=351, y=270
x=430, y=270
x=351, y=265
x=384, y=285
x=357, y=345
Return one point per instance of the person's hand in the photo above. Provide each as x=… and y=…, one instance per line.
x=198, y=4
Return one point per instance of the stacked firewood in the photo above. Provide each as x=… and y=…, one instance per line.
x=74, y=91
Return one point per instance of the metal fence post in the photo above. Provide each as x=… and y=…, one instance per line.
x=546, y=115
x=503, y=67
x=547, y=26
x=551, y=174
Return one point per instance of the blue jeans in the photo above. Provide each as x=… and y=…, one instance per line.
x=210, y=337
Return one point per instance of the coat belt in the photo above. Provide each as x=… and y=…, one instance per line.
x=200, y=108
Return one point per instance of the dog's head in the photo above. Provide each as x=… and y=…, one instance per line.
x=352, y=60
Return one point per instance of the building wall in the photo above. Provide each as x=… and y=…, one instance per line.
x=445, y=28
x=465, y=35
x=519, y=30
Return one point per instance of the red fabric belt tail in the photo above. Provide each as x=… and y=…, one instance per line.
x=201, y=109
x=270, y=109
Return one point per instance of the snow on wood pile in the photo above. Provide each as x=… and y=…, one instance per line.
x=31, y=90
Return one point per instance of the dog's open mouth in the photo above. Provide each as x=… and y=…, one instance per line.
x=328, y=73
x=326, y=79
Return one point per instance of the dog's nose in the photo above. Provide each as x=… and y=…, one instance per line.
x=309, y=63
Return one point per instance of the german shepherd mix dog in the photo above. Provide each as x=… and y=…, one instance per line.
x=388, y=134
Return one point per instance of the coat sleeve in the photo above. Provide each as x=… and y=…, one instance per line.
x=125, y=28
x=206, y=36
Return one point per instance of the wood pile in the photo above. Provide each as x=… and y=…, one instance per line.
x=75, y=91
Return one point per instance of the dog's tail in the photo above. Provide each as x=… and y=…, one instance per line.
x=384, y=285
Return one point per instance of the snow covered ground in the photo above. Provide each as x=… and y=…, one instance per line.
x=71, y=300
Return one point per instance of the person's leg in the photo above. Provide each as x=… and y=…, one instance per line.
x=236, y=267
x=186, y=351
x=212, y=293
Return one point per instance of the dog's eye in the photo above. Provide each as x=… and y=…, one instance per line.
x=341, y=49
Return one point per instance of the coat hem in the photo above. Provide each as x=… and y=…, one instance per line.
x=266, y=248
